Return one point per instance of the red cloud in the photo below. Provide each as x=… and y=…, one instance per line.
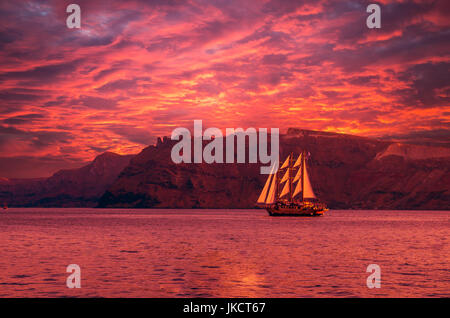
x=136, y=70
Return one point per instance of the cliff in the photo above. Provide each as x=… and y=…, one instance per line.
x=347, y=172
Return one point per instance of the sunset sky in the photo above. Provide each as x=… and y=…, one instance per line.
x=138, y=69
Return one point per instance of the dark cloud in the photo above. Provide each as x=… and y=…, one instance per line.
x=35, y=139
x=116, y=67
x=44, y=139
x=279, y=8
x=122, y=84
x=95, y=102
x=414, y=43
x=364, y=80
x=133, y=134
x=9, y=96
x=58, y=101
x=275, y=59
x=112, y=26
x=432, y=137
x=35, y=166
x=394, y=16
x=425, y=80
x=8, y=36
x=45, y=73
x=23, y=119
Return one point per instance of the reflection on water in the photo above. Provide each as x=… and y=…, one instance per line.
x=220, y=253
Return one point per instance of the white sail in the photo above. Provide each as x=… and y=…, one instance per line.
x=263, y=195
x=271, y=196
x=285, y=190
x=298, y=161
x=286, y=163
x=308, y=191
x=285, y=177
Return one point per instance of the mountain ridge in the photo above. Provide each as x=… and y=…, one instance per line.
x=347, y=172
x=80, y=187
x=344, y=170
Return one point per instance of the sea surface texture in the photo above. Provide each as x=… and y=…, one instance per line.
x=222, y=253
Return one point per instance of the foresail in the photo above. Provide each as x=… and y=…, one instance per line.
x=271, y=196
x=266, y=190
x=263, y=195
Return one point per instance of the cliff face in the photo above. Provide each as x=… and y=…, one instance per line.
x=346, y=172
x=66, y=188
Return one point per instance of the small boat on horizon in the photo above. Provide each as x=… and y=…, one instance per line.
x=5, y=206
x=297, y=197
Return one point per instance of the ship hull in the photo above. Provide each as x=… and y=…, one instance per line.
x=295, y=210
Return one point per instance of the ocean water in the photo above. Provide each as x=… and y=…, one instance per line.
x=223, y=253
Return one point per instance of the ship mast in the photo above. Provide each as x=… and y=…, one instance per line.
x=302, y=166
x=277, y=182
x=290, y=177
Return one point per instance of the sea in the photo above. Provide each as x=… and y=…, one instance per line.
x=223, y=253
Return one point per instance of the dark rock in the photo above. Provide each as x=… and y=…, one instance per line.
x=66, y=188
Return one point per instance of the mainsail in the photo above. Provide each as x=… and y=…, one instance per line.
x=308, y=190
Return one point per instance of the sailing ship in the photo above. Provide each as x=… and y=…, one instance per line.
x=296, y=197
